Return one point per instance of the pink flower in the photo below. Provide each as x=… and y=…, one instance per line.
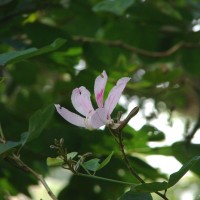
x=81, y=101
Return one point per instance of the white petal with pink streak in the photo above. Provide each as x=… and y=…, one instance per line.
x=114, y=94
x=81, y=101
x=99, y=87
x=70, y=116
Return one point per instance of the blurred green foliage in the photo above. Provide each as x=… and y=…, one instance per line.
x=65, y=44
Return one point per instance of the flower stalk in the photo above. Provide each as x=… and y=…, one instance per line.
x=117, y=133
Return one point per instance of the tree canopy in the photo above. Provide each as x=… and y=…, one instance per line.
x=48, y=48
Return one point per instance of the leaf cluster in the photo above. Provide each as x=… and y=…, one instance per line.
x=48, y=48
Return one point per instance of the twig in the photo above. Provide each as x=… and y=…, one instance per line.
x=104, y=179
x=2, y=137
x=120, y=44
x=21, y=165
x=133, y=172
x=190, y=135
x=133, y=112
x=119, y=139
x=125, y=158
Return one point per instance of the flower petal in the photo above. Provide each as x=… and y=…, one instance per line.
x=99, y=87
x=103, y=115
x=70, y=116
x=114, y=94
x=99, y=118
x=81, y=101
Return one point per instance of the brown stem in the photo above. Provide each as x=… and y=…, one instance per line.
x=20, y=164
x=2, y=137
x=133, y=112
x=126, y=160
x=132, y=171
x=153, y=54
x=119, y=140
x=189, y=137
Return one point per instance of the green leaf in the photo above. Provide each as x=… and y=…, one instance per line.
x=190, y=60
x=117, y=7
x=24, y=73
x=175, y=177
x=165, y=150
x=71, y=155
x=130, y=195
x=151, y=187
x=37, y=123
x=17, y=56
x=106, y=161
x=183, y=153
x=54, y=161
x=92, y=164
x=145, y=169
x=153, y=133
x=6, y=148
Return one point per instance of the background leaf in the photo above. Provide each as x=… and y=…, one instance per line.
x=151, y=187
x=175, y=177
x=136, y=196
x=38, y=121
x=156, y=43
x=117, y=7
x=184, y=152
x=6, y=148
x=16, y=56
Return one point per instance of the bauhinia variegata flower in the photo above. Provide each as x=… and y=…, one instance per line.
x=93, y=118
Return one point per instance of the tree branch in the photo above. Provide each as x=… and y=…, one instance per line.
x=21, y=165
x=120, y=44
x=190, y=135
x=117, y=134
